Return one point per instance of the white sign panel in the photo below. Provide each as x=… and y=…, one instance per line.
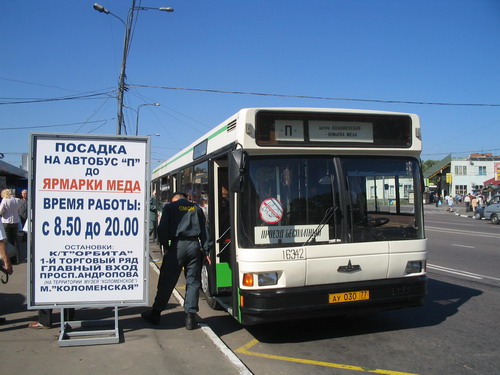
x=340, y=131
x=289, y=130
x=290, y=234
x=89, y=216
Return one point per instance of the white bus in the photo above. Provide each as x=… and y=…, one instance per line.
x=313, y=211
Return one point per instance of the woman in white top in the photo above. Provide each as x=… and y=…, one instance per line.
x=9, y=210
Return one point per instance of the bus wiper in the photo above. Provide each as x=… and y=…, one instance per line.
x=328, y=215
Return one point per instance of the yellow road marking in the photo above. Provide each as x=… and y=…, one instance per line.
x=245, y=350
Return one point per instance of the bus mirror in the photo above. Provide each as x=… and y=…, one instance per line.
x=236, y=170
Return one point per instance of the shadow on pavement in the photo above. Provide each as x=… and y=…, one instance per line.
x=443, y=301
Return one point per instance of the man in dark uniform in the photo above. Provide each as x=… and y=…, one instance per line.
x=182, y=227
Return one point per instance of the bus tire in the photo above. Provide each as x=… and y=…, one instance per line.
x=206, y=277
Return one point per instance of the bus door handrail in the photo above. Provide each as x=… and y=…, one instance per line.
x=220, y=239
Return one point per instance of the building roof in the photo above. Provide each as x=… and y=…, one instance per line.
x=438, y=167
x=483, y=157
x=446, y=163
x=7, y=169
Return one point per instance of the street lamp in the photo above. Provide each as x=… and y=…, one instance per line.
x=126, y=46
x=137, y=118
x=161, y=9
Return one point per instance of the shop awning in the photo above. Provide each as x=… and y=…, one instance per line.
x=492, y=182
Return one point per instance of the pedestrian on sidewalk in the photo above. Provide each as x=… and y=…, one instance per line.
x=182, y=227
x=450, y=203
x=23, y=210
x=9, y=210
x=4, y=257
x=467, y=203
x=438, y=200
x=474, y=202
x=44, y=320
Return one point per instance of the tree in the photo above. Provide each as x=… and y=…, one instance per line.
x=426, y=164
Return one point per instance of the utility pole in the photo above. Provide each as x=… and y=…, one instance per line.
x=126, y=45
x=121, y=78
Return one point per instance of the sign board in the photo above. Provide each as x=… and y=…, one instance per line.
x=88, y=214
x=289, y=130
x=324, y=131
x=340, y=131
x=290, y=234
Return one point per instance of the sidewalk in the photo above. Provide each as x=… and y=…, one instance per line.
x=458, y=209
x=143, y=349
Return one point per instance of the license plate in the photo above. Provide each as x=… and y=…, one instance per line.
x=360, y=295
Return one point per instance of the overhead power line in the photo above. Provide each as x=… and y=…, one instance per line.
x=45, y=85
x=43, y=100
x=315, y=97
x=52, y=126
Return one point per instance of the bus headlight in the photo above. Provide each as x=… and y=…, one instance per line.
x=414, y=266
x=268, y=278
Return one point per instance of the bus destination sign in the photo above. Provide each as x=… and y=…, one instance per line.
x=324, y=131
x=340, y=131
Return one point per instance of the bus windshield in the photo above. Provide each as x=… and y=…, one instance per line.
x=318, y=200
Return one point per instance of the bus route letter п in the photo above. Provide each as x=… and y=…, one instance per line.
x=88, y=220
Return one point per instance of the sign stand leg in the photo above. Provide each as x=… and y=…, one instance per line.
x=88, y=332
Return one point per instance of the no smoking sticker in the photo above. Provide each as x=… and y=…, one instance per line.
x=271, y=211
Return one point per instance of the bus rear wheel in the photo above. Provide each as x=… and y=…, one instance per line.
x=205, y=287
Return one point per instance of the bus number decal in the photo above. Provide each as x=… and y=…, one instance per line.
x=293, y=254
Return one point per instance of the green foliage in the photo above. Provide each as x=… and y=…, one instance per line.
x=426, y=164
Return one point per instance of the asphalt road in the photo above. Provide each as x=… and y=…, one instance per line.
x=455, y=332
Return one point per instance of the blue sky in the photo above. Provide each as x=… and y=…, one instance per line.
x=443, y=51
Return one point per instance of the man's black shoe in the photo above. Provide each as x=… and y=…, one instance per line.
x=191, y=321
x=151, y=316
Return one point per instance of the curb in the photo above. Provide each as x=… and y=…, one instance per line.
x=462, y=215
x=469, y=216
x=242, y=369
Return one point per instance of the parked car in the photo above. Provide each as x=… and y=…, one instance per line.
x=491, y=211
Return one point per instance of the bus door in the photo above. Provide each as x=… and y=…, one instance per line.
x=222, y=227
x=216, y=279
x=359, y=252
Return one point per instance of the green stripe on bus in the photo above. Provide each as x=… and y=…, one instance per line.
x=221, y=130
x=238, y=314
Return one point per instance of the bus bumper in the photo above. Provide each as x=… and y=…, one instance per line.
x=271, y=305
